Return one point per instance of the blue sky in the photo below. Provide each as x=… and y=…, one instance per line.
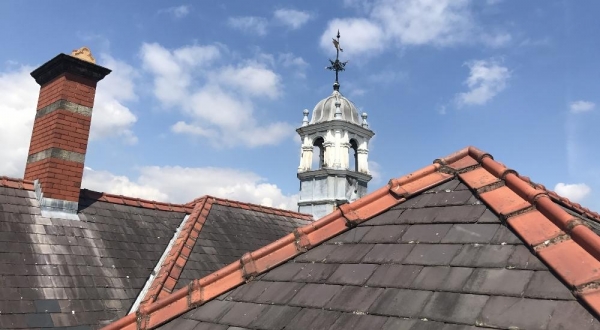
x=205, y=98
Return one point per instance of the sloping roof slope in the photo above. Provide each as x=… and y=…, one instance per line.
x=62, y=273
x=85, y=274
x=465, y=243
x=217, y=233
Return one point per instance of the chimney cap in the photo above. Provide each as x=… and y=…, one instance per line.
x=63, y=63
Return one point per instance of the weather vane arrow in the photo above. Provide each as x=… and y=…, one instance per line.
x=337, y=65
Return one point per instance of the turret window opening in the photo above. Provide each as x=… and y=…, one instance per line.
x=318, y=149
x=353, y=162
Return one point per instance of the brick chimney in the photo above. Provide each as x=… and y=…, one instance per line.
x=62, y=128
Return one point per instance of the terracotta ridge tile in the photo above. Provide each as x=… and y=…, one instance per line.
x=564, y=242
x=168, y=274
x=16, y=183
x=257, y=262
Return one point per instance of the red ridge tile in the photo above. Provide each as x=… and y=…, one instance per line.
x=16, y=183
x=478, y=178
x=533, y=227
x=504, y=201
x=572, y=263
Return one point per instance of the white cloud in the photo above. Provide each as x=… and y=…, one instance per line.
x=363, y=36
x=486, y=79
x=574, y=192
x=217, y=99
x=253, y=79
x=375, y=170
x=183, y=184
x=111, y=118
x=411, y=23
x=294, y=19
x=249, y=24
x=496, y=40
x=178, y=11
x=581, y=106
x=18, y=100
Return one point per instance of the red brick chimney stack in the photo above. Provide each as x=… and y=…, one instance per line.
x=62, y=128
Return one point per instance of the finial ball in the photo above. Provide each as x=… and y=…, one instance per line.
x=364, y=115
x=305, y=112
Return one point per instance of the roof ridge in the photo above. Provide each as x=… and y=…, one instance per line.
x=16, y=183
x=530, y=210
x=254, y=207
x=527, y=209
x=253, y=263
x=171, y=268
x=133, y=201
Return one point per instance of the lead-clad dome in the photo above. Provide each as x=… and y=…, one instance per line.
x=325, y=110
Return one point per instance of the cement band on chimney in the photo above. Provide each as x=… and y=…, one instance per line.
x=64, y=105
x=56, y=153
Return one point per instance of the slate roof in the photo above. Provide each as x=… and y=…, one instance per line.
x=70, y=274
x=465, y=243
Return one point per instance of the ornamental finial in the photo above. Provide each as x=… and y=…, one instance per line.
x=84, y=53
x=336, y=65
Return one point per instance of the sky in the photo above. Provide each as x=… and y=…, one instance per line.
x=205, y=97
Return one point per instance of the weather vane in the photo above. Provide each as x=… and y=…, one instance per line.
x=336, y=65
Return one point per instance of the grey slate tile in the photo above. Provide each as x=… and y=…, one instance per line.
x=354, y=299
x=352, y=274
x=38, y=320
x=397, y=324
x=471, y=233
x=498, y=281
x=275, y=317
x=249, y=292
x=384, y=234
x=522, y=258
x=388, y=253
x=394, y=276
x=571, y=315
x=432, y=254
x=431, y=233
x=358, y=322
x=348, y=253
x=390, y=217
x=315, y=295
x=243, y=314
x=445, y=187
x=545, y=285
x=46, y=306
x=477, y=255
x=212, y=311
x=454, y=307
x=279, y=293
x=210, y=326
x=180, y=324
x=313, y=319
x=505, y=236
x=426, y=215
x=441, y=278
x=460, y=214
x=444, y=199
x=351, y=236
x=317, y=254
x=400, y=303
x=488, y=217
x=521, y=313
x=313, y=273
